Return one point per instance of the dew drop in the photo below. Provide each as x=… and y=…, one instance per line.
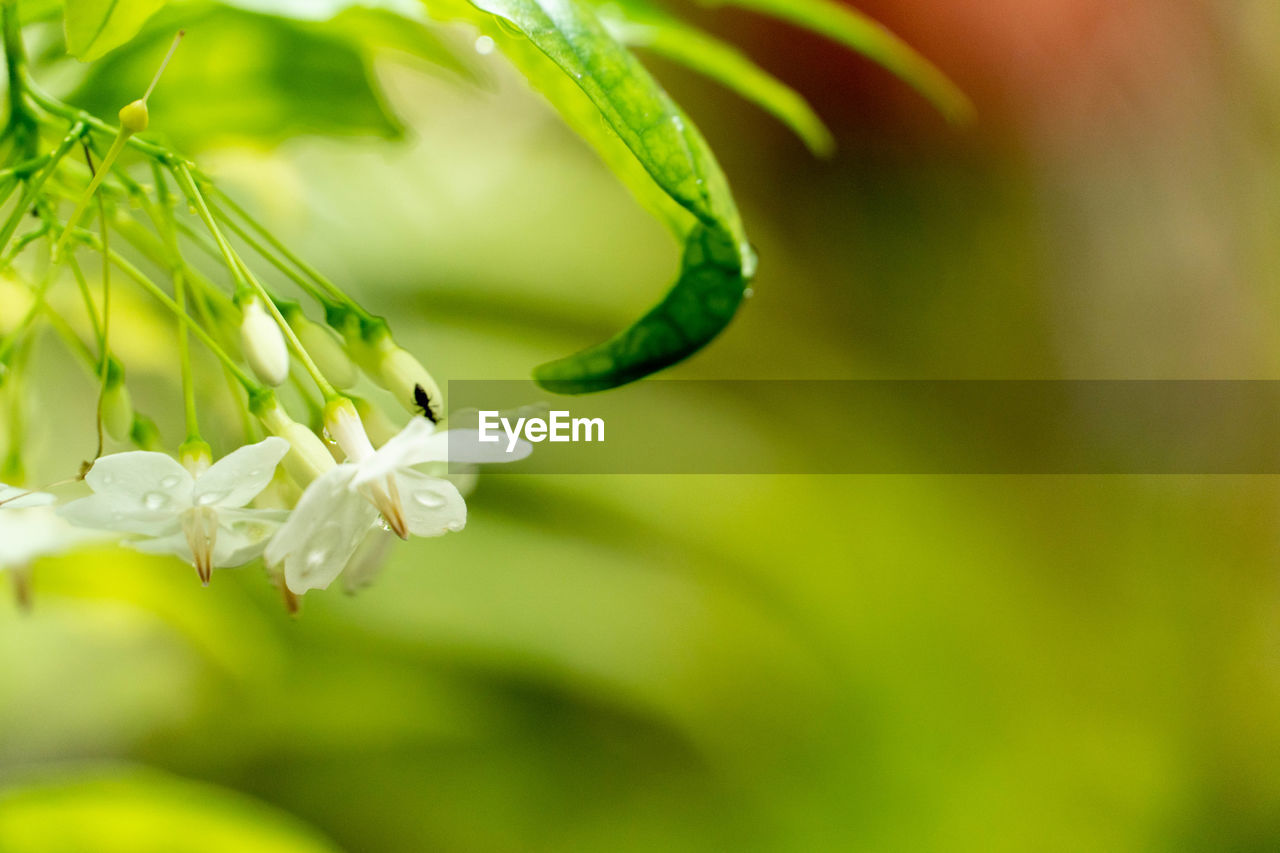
x=430, y=500
x=108, y=479
x=155, y=500
x=322, y=546
x=455, y=526
x=170, y=481
x=484, y=45
x=212, y=497
x=748, y=293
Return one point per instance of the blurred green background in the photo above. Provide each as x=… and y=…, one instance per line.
x=742, y=662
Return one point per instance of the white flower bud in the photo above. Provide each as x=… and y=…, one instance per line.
x=342, y=423
x=326, y=350
x=308, y=458
x=405, y=377
x=379, y=427
x=263, y=344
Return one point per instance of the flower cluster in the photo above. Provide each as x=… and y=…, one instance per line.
x=302, y=493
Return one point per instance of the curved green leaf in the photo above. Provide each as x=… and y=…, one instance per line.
x=648, y=27
x=864, y=35
x=145, y=812
x=94, y=27
x=245, y=78
x=604, y=93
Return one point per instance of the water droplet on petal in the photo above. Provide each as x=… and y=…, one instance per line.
x=212, y=497
x=322, y=545
x=455, y=526
x=108, y=479
x=155, y=501
x=429, y=499
x=484, y=45
x=171, y=481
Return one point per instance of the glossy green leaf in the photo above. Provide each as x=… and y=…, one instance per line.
x=244, y=78
x=94, y=27
x=604, y=93
x=860, y=33
x=643, y=26
x=140, y=812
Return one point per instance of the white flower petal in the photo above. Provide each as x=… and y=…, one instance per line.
x=243, y=534
x=11, y=497
x=110, y=512
x=26, y=534
x=323, y=532
x=238, y=477
x=142, y=480
x=175, y=544
x=418, y=443
x=432, y=506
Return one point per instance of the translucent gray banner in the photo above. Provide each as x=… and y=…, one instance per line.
x=883, y=427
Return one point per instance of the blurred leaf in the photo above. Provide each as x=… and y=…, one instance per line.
x=94, y=27
x=860, y=33
x=383, y=29
x=241, y=78
x=641, y=25
x=140, y=812
x=30, y=11
x=604, y=93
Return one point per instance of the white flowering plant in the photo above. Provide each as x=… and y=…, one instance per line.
x=96, y=196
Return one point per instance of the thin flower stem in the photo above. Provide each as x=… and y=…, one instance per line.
x=184, y=352
x=244, y=277
x=164, y=222
x=16, y=334
x=106, y=299
x=34, y=184
x=139, y=277
x=89, y=306
x=52, y=105
x=266, y=254
x=98, y=175
x=275, y=243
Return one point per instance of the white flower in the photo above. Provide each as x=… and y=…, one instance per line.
x=30, y=528
x=200, y=518
x=337, y=509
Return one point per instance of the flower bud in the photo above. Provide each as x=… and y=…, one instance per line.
x=134, y=116
x=342, y=423
x=144, y=434
x=195, y=456
x=394, y=368
x=379, y=427
x=406, y=378
x=325, y=348
x=117, y=411
x=263, y=344
x=307, y=458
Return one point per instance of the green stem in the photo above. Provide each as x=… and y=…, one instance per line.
x=164, y=222
x=184, y=354
x=264, y=252
x=52, y=105
x=34, y=185
x=99, y=175
x=250, y=384
x=22, y=124
x=90, y=308
x=275, y=243
x=244, y=278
